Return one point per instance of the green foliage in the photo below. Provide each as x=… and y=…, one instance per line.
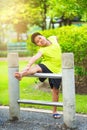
x=21, y=13
x=68, y=9
x=32, y=12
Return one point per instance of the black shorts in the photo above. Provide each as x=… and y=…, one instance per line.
x=53, y=82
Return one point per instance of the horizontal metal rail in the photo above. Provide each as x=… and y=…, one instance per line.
x=46, y=75
x=60, y=104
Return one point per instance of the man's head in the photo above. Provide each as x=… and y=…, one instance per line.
x=34, y=35
x=38, y=39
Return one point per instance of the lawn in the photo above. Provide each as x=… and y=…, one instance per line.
x=29, y=91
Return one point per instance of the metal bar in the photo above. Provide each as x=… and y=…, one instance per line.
x=46, y=75
x=60, y=104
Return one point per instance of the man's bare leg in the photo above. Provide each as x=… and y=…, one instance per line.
x=55, y=98
x=31, y=71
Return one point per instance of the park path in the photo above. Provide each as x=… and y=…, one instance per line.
x=20, y=58
x=36, y=119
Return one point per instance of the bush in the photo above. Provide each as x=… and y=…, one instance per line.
x=3, y=53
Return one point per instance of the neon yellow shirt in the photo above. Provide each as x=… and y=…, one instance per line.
x=52, y=56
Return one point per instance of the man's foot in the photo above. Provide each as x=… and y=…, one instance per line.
x=56, y=116
x=18, y=75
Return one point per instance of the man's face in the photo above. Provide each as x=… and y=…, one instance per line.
x=40, y=40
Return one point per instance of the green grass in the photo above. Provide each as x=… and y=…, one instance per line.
x=28, y=91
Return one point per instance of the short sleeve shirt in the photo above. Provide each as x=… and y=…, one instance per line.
x=51, y=56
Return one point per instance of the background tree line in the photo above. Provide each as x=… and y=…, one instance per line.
x=31, y=12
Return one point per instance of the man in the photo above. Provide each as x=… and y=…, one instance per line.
x=50, y=54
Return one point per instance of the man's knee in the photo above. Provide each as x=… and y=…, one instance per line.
x=35, y=69
x=38, y=68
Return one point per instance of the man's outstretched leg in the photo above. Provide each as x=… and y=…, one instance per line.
x=30, y=71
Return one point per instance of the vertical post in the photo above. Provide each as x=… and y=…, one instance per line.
x=68, y=90
x=13, y=66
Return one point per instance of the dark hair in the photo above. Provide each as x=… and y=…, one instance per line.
x=34, y=35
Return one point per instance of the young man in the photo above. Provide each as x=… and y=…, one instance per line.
x=50, y=52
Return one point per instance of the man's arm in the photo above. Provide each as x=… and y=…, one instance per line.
x=32, y=60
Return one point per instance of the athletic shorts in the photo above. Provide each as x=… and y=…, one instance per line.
x=53, y=82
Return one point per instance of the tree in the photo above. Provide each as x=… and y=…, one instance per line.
x=68, y=10
x=32, y=11
x=38, y=12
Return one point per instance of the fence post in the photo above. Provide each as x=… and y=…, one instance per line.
x=13, y=66
x=68, y=90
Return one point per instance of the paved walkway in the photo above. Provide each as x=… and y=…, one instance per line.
x=34, y=119
x=20, y=58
